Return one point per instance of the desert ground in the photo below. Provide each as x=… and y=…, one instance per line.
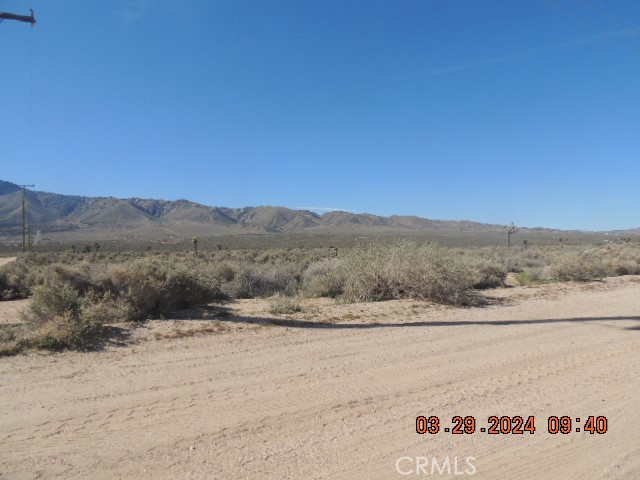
x=6, y=260
x=333, y=392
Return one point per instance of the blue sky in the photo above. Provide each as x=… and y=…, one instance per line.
x=487, y=110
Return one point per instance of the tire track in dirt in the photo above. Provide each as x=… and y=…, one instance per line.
x=320, y=403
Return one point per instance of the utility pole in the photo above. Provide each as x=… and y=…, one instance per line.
x=32, y=20
x=20, y=18
x=24, y=218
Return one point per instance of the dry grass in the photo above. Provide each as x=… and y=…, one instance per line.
x=72, y=305
x=75, y=295
x=406, y=270
x=282, y=305
x=180, y=330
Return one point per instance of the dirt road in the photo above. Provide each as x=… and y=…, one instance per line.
x=5, y=260
x=338, y=397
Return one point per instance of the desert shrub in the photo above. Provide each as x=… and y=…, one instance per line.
x=11, y=288
x=11, y=338
x=622, y=260
x=577, y=268
x=71, y=306
x=14, y=282
x=74, y=294
x=98, y=310
x=323, y=279
x=533, y=259
x=533, y=277
x=593, y=263
x=281, y=305
x=53, y=300
x=69, y=330
x=486, y=274
x=18, y=279
x=73, y=276
x=407, y=270
x=153, y=287
x=265, y=280
x=222, y=272
x=61, y=318
x=622, y=267
x=509, y=260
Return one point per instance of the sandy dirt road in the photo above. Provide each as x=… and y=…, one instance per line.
x=339, y=399
x=5, y=260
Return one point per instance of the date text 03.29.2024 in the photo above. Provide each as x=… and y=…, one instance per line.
x=505, y=425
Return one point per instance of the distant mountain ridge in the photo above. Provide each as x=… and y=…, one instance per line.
x=51, y=212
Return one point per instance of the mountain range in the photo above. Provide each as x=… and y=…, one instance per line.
x=52, y=212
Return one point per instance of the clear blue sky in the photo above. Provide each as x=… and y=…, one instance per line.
x=495, y=111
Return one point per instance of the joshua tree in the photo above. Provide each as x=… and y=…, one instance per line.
x=195, y=246
x=561, y=240
x=73, y=248
x=510, y=231
x=526, y=244
x=96, y=247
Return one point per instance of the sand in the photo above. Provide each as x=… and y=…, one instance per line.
x=5, y=260
x=334, y=392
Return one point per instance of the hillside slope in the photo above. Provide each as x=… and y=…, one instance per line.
x=51, y=212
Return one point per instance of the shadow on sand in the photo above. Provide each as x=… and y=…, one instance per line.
x=224, y=313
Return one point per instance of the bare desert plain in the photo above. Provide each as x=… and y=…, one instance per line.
x=231, y=391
